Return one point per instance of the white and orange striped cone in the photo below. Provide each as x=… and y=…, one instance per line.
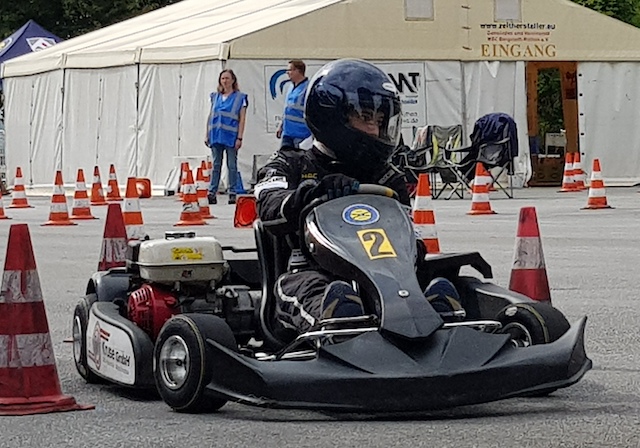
x=579, y=176
x=81, y=208
x=2, y=215
x=114, y=243
x=29, y=382
x=184, y=167
x=568, y=180
x=529, y=272
x=19, y=196
x=113, y=190
x=190, y=215
x=97, y=192
x=59, y=213
x=202, y=191
x=424, y=220
x=480, y=204
x=597, y=194
x=131, y=213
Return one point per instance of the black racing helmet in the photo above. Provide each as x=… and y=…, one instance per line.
x=344, y=91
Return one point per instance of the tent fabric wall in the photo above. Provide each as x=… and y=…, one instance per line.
x=34, y=126
x=92, y=133
x=609, y=94
x=494, y=86
x=173, y=110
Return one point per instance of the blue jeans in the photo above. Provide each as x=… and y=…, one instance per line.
x=218, y=151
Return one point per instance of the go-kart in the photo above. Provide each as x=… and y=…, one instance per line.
x=201, y=328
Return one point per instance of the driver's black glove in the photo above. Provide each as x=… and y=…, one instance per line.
x=334, y=186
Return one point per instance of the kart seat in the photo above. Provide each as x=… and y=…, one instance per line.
x=273, y=255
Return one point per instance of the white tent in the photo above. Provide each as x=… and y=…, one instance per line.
x=136, y=94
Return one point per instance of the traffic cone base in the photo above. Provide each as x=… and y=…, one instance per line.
x=190, y=215
x=424, y=220
x=59, y=214
x=19, y=196
x=597, y=194
x=29, y=382
x=480, y=204
x=568, y=176
x=81, y=207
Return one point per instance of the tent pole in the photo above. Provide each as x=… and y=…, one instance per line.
x=137, y=136
x=463, y=103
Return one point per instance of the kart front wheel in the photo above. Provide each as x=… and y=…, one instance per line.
x=79, y=334
x=184, y=362
x=532, y=323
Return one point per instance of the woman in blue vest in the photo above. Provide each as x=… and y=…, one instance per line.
x=225, y=128
x=293, y=129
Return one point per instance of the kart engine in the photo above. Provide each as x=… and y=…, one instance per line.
x=183, y=274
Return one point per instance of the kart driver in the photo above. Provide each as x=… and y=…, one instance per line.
x=353, y=110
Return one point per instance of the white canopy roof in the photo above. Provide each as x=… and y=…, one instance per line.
x=203, y=30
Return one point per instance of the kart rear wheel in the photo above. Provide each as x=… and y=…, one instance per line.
x=184, y=362
x=79, y=333
x=532, y=323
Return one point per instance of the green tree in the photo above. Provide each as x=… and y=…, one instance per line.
x=625, y=10
x=70, y=18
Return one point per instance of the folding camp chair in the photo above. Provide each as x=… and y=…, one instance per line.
x=442, y=144
x=495, y=144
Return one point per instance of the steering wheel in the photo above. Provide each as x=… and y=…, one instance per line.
x=375, y=189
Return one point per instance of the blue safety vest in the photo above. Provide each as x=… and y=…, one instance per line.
x=224, y=118
x=293, y=124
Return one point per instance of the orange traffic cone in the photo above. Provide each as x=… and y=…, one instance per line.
x=184, y=167
x=59, y=213
x=597, y=195
x=424, y=220
x=114, y=243
x=578, y=174
x=529, y=273
x=568, y=180
x=202, y=190
x=2, y=215
x=29, y=382
x=97, y=193
x=132, y=215
x=113, y=190
x=145, y=190
x=190, y=215
x=246, y=211
x=81, y=208
x=18, y=196
x=480, y=204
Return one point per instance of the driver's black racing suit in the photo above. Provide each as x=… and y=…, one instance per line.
x=300, y=290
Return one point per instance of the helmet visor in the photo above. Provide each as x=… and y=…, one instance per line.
x=376, y=115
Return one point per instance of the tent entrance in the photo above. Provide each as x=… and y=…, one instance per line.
x=552, y=116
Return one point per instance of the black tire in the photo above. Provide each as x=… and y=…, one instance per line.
x=184, y=362
x=532, y=323
x=79, y=333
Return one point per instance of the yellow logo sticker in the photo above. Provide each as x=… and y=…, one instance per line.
x=186, y=253
x=360, y=214
x=376, y=244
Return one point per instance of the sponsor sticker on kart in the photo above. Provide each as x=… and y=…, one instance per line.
x=360, y=215
x=109, y=351
x=186, y=253
x=376, y=244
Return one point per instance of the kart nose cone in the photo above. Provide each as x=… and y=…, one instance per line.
x=174, y=362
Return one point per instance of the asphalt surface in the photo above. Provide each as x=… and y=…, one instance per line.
x=592, y=259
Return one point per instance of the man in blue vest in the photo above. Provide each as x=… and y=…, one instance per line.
x=293, y=128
